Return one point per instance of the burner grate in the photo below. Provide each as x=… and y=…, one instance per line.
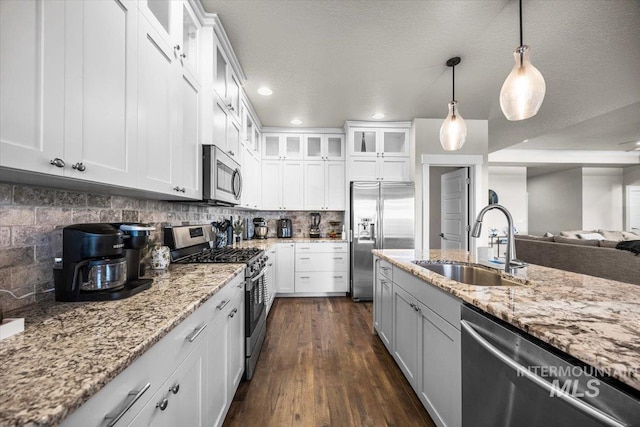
x=221, y=255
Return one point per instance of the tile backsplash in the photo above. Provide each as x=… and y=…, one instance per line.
x=31, y=221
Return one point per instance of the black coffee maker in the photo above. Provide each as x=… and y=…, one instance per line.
x=100, y=262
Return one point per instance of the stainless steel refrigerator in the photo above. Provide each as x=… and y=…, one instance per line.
x=382, y=217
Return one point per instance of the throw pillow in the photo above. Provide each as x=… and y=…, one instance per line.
x=608, y=243
x=547, y=234
x=591, y=236
x=570, y=241
x=530, y=237
x=628, y=235
x=573, y=234
x=612, y=234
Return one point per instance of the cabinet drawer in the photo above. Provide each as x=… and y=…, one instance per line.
x=322, y=262
x=322, y=282
x=385, y=268
x=439, y=301
x=303, y=248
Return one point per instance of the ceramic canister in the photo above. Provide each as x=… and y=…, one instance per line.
x=159, y=257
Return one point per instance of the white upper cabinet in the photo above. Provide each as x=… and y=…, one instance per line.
x=323, y=147
x=282, y=146
x=32, y=86
x=225, y=83
x=191, y=162
x=383, y=142
x=190, y=45
x=324, y=185
x=379, y=153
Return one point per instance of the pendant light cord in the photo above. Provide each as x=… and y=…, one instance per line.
x=521, y=38
x=453, y=90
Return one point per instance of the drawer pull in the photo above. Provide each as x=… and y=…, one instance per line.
x=136, y=395
x=337, y=277
x=338, y=257
x=233, y=312
x=305, y=247
x=175, y=389
x=223, y=304
x=305, y=277
x=197, y=331
x=305, y=258
x=163, y=404
x=337, y=247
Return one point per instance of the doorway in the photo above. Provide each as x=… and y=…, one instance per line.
x=444, y=208
x=632, y=214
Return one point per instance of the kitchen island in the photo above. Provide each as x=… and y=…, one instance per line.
x=594, y=320
x=70, y=351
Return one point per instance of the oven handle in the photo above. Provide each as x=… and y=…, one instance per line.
x=236, y=189
x=262, y=273
x=576, y=403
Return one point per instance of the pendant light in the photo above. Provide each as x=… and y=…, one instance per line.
x=453, y=131
x=523, y=91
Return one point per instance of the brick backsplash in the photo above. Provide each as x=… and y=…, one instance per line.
x=31, y=221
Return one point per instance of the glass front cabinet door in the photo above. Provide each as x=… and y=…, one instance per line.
x=364, y=142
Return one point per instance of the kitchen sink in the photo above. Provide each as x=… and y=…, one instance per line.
x=468, y=274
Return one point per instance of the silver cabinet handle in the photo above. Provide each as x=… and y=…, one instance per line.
x=197, y=331
x=223, y=304
x=183, y=56
x=79, y=167
x=184, y=190
x=176, y=48
x=305, y=247
x=175, y=388
x=57, y=162
x=305, y=277
x=163, y=404
x=176, y=188
x=135, y=396
x=412, y=305
x=337, y=277
x=231, y=152
x=524, y=371
x=233, y=312
x=337, y=247
x=305, y=258
x=338, y=257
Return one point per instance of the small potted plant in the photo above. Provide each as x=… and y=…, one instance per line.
x=238, y=229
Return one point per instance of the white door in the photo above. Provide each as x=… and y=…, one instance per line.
x=314, y=190
x=454, y=209
x=100, y=91
x=32, y=85
x=633, y=209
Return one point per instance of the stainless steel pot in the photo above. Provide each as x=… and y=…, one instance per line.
x=260, y=231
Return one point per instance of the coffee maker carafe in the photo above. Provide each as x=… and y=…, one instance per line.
x=314, y=230
x=96, y=263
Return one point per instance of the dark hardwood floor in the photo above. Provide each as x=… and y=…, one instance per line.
x=321, y=365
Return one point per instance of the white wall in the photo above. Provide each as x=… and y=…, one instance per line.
x=631, y=176
x=510, y=183
x=426, y=140
x=602, y=194
x=555, y=202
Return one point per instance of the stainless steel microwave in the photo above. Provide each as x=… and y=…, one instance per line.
x=222, y=177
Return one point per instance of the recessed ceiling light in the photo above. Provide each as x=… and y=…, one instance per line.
x=296, y=122
x=638, y=143
x=378, y=116
x=265, y=91
x=525, y=140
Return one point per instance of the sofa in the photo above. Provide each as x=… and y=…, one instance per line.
x=582, y=252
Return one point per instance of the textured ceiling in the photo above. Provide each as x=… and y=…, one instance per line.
x=331, y=61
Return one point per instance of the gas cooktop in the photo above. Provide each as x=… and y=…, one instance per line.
x=228, y=254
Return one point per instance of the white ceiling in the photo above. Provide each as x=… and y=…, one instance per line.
x=331, y=61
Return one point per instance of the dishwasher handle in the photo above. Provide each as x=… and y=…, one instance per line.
x=567, y=398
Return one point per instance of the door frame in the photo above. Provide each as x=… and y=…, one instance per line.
x=467, y=231
x=477, y=192
x=627, y=209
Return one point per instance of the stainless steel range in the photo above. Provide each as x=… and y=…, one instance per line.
x=195, y=245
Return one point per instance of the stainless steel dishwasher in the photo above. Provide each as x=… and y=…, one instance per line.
x=511, y=379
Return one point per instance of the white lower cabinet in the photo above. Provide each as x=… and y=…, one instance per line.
x=321, y=267
x=270, y=276
x=188, y=378
x=420, y=326
x=285, y=272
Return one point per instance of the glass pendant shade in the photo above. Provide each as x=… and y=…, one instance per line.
x=523, y=91
x=453, y=131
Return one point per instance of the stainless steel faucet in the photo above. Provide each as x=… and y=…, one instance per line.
x=510, y=262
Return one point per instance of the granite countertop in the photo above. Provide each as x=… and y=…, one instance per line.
x=594, y=320
x=69, y=351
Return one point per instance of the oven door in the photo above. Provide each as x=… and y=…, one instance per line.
x=255, y=301
x=222, y=177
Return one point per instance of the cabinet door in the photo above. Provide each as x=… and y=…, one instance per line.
x=100, y=86
x=271, y=149
x=163, y=16
x=32, y=85
x=233, y=94
x=363, y=169
x=220, y=125
x=394, y=169
x=216, y=369
x=405, y=334
x=181, y=396
x=271, y=183
x=394, y=142
x=190, y=42
x=313, y=147
x=314, y=185
x=377, y=299
x=386, y=313
x=334, y=147
x=233, y=139
x=440, y=382
x=235, y=342
x=285, y=268
x=291, y=147
x=335, y=186
x=363, y=142
x=157, y=112
x=220, y=73
x=271, y=277
x=292, y=185
x=191, y=149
